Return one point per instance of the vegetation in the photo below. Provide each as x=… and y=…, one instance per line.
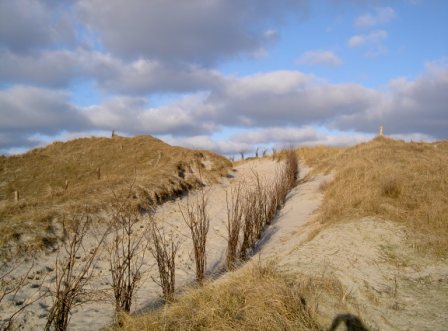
x=73, y=274
x=197, y=220
x=127, y=248
x=258, y=298
x=84, y=172
x=390, y=179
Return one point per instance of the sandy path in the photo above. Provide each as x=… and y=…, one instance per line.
x=94, y=316
x=382, y=279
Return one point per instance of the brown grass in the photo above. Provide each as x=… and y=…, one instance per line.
x=65, y=176
x=390, y=179
x=258, y=298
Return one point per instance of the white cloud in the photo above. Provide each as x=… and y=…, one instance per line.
x=206, y=142
x=380, y=17
x=275, y=107
x=375, y=37
x=407, y=107
x=320, y=57
x=60, y=68
x=26, y=109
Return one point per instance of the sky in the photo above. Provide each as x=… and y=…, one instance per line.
x=225, y=75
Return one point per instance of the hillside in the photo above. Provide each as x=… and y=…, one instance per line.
x=389, y=179
x=362, y=241
x=82, y=174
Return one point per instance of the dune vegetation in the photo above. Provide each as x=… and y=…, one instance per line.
x=258, y=298
x=406, y=182
x=39, y=188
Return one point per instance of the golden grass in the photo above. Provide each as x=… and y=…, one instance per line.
x=160, y=171
x=390, y=179
x=258, y=298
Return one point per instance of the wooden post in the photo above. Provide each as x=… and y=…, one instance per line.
x=113, y=133
x=381, y=131
x=16, y=196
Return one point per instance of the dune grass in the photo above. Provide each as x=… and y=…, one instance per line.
x=258, y=298
x=390, y=179
x=82, y=173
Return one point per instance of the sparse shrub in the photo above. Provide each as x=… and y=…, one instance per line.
x=196, y=218
x=127, y=248
x=234, y=221
x=261, y=202
x=249, y=220
x=74, y=270
x=164, y=250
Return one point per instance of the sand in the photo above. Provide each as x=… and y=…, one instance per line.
x=100, y=313
x=382, y=280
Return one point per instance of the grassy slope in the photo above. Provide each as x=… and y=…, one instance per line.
x=157, y=169
x=394, y=180
x=257, y=298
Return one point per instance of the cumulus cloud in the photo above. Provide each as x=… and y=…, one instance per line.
x=375, y=37
x=60, y=68
x=226, y=146
x=408, y=106
x=277, y=135
x=320, y=57
x=283, y=98
x=26, y=111
x=278, y=107
x=29, y=109
x=133, y=115
x=199, y=31
x=265, y=139
x=381, y=16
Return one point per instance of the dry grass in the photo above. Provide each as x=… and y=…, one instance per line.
x=65, y=176
x=390, y=179
x=258, y=298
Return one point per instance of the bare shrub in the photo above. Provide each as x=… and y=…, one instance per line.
x=74, y=270
x=164, y=250
x=248, y=225
x=196, y=218
x=255, y=213
x=234, y=222
x=126, y=250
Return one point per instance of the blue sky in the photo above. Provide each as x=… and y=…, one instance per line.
x=220, y=74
